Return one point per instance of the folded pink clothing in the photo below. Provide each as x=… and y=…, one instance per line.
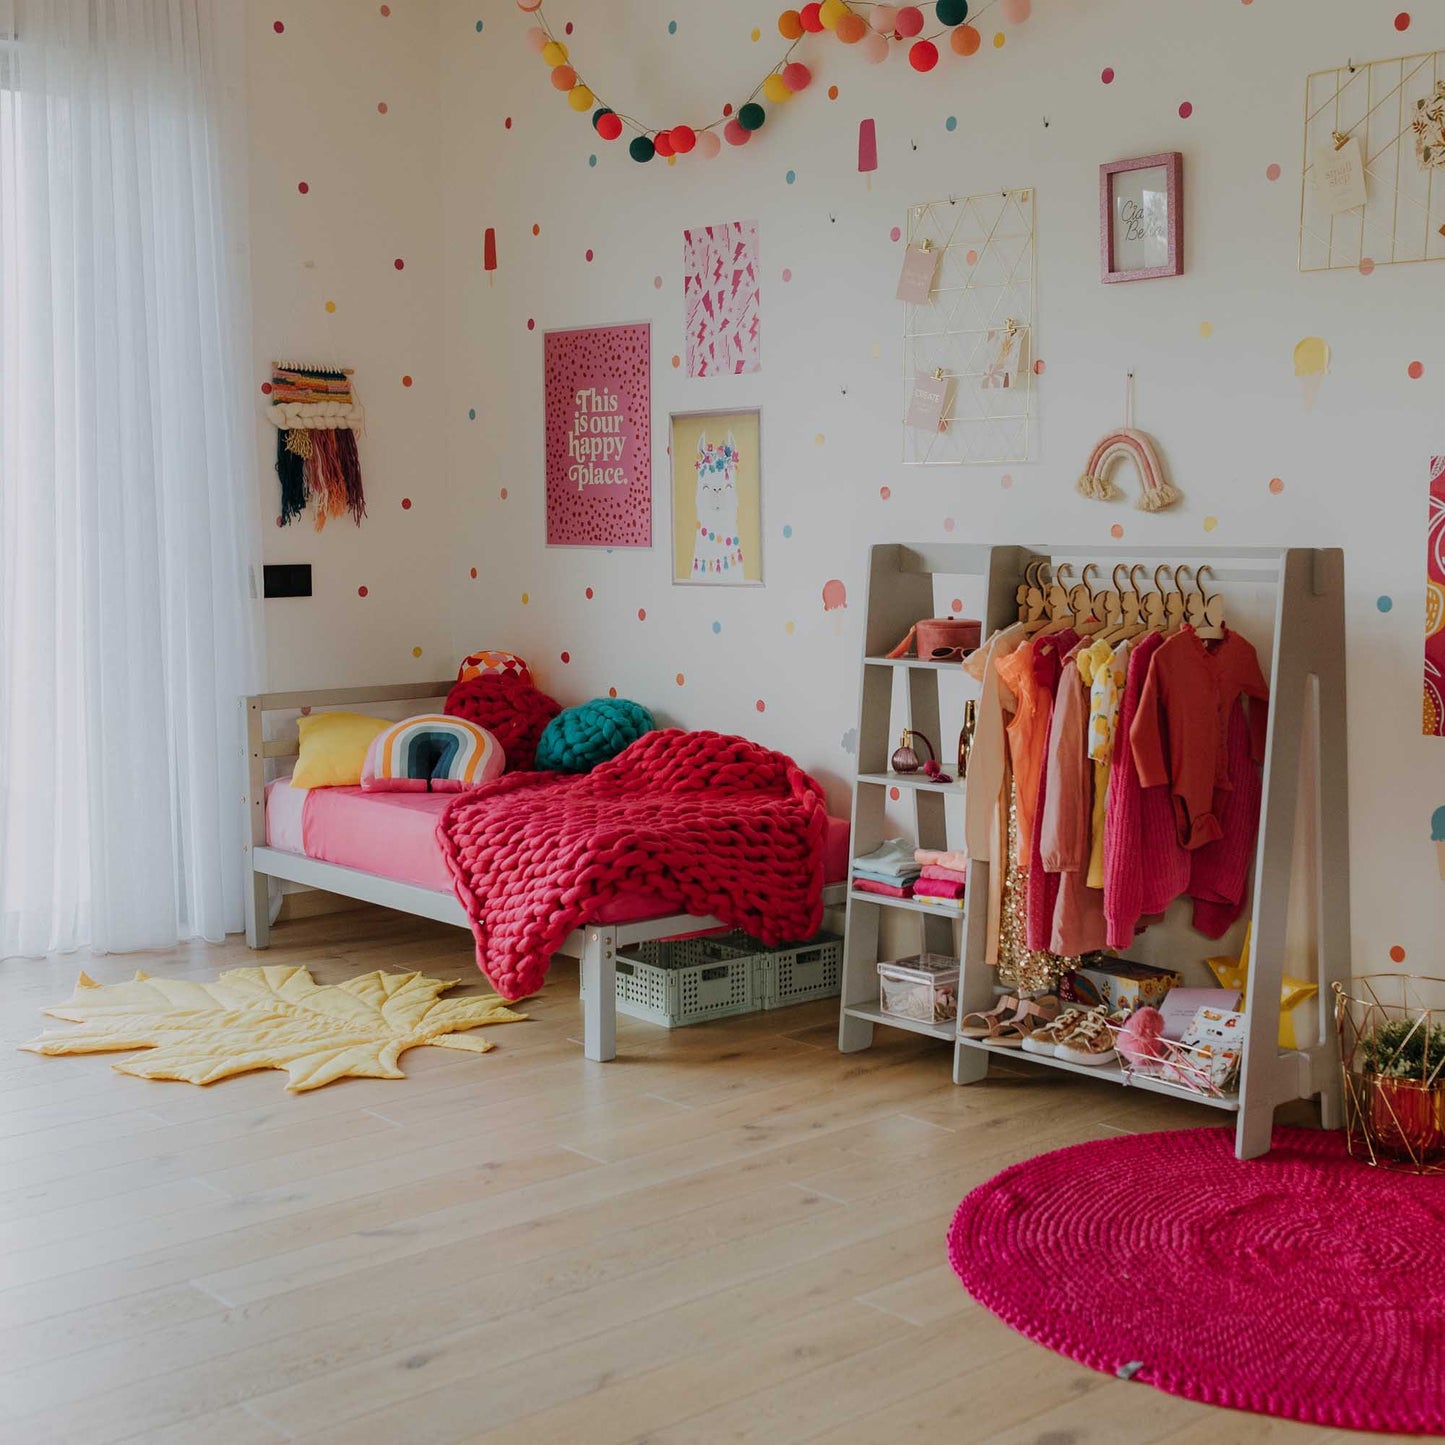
x=868, y=885
x=934, y=858
x=944, y=875
x=937, y=888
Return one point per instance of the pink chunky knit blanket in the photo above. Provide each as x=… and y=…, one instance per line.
x=709, y=824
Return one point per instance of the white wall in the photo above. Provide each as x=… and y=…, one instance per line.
x=374, y=196
x=1227, y=409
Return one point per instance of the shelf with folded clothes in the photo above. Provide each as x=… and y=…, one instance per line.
x=898, y=873
x=942, y=907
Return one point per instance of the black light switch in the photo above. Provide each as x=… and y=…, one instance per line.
x=293, y=579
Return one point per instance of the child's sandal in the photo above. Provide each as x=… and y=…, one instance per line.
x=1033, y=1015
x=987, y=1024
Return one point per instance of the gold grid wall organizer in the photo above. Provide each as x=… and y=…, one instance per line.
x=984, y=283
x=1375, y=102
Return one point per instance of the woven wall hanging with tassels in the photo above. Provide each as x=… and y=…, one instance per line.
x=317, y=417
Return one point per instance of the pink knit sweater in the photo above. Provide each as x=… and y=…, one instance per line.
x=1145, y=869
x=1219, y=871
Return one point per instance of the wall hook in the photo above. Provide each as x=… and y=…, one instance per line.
x=1046, y=122
x=913, y=143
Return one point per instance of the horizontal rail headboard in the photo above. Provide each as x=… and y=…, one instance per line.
x=257, y=706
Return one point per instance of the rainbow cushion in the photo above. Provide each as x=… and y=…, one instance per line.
x=432, y=753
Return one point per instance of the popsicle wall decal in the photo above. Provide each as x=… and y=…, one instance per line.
x=867, y=149
x=489, y=252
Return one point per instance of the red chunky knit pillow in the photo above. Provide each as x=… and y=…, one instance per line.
x=513, y=711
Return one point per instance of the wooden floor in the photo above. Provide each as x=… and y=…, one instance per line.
x=732, y=1232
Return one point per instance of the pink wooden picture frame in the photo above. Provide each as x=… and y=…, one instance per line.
x=1172, y=163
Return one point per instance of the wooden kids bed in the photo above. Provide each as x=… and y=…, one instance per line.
x=595, y=946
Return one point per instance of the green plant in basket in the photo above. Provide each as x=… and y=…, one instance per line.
x=1405, y=1049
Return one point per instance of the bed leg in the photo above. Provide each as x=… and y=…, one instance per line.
x=258, y=911
x=599, y=1006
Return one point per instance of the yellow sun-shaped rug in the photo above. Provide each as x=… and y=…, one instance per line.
x=269, y=1018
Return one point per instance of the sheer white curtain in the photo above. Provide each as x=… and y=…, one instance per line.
x=127, y=530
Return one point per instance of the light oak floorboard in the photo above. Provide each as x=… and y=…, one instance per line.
x=731, y=1233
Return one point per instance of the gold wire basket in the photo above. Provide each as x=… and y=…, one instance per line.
x=1392, y=1052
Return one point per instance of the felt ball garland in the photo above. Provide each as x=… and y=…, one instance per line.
x=871, y=26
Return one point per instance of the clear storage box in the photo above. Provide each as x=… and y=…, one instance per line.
x=923, y=988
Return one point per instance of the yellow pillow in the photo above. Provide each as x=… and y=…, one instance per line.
x=333, y=748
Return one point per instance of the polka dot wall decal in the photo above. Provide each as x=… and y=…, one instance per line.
x=791, y=177
x=566, y=657
x=1367, y=266
x=999, y=40
x=818, y=439
x=399, y=263
x=672, y=27
x=303, y=188
x=885, y=492
x=526, y=598
x=761, y=705
x=1039, y=367
x=1116, y=531
x=330, y=308
x=567, y=28
x=508, y=122
x=676, y=361
x=265, y=388
x=406, y=381
x=531, y=323
x=788, y=529
x=642, y=614
x=894, y=794
x=832, y=92
x=951, y=123
x=1397, y=954
x=1384, y=603
x=679, y=679
x=948, y=524
x=1272, y=172
x=756, y=35
x=536, y=229
x=589, y=253
x=971, y=257
x=1186, y=109
x=956, y=605
x=381, y=107
x=1206, y=329
x=657, y=283
x=471, y=413
x=361, y=591
x=1006, y=481
x=592, y=160
x=716, y=628
x=790, y=628
x=1415, y=370
x=503, y=494
x=787, y=273
x=416, y=652
x=589, y=594
x=875, y=350
x=1107, y=75
x=611, y=692
x=1402, y=20
x=406, y=504
x=385, y=11
x=894, y=234
x=474, y=574
x=1210, y=523
x=481, y=25
x=278, y=26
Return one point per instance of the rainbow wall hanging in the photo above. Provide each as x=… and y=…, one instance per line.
x=1126, y=444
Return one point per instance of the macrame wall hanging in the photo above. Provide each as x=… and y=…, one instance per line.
x=316, y=416
x=1126, y=443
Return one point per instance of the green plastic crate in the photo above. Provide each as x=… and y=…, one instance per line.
x=802, y=972
x=680, y=981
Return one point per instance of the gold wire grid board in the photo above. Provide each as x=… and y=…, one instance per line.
x=1379, y=103
x=984, y=289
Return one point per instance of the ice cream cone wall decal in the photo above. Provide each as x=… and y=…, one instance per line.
x=1311, y=365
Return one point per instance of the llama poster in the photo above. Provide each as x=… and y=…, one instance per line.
x=598, y=383
x=717, y=500
x=721, y=299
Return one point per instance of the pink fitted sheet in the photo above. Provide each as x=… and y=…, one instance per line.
x=394, y=834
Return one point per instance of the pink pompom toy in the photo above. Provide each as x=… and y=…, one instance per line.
x=1141, y=1038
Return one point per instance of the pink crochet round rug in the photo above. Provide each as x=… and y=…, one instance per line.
x=1303, y=1284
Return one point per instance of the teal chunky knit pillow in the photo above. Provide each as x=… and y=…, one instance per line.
x=579, y=738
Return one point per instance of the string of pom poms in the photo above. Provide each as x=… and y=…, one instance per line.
x=873, y=27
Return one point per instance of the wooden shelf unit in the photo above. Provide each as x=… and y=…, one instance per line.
x=1303, y=592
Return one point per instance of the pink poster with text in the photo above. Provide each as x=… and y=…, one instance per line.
x=598, y=382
